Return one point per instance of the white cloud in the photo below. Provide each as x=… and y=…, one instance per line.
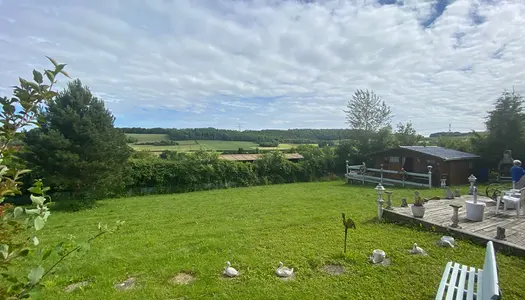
x=270, y=63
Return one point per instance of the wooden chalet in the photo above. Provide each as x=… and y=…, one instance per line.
x=455, y=165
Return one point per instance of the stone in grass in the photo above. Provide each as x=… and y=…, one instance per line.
x=334, y=269
x=127, y=284
x=182, y=278
x=75, y=286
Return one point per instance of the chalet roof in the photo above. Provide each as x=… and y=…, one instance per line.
x=439, y=152
x=251, y=157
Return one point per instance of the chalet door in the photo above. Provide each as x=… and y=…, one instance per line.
x=409, y=164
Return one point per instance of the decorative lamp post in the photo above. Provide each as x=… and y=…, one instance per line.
x=472, y=179
x=443, y=182
x=380, y=190
x=448, y=191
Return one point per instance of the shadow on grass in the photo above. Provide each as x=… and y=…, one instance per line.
x=74, y=205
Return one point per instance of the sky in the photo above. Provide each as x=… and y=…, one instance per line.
x=258, y=64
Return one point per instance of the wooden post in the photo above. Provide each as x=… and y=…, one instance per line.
x=347, y=180
x=381, y=174
x=429, y=177
x=364, y=171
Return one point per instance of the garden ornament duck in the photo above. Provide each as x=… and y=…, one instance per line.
x=229, y=271
x=417, y=250
x=283, y=271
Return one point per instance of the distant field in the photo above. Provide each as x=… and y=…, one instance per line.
x=148, y=137
x=196, y=145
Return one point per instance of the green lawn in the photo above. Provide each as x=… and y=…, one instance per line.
x=255, y=228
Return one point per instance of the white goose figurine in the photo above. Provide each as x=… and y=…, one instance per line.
x=417, y=250
x=283, y=271
x=229, y=271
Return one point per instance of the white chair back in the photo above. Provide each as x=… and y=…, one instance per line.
x=490, y=284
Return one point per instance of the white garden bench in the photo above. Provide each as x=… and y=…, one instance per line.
x=465, y=282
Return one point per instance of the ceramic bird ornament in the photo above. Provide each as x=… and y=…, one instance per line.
x=417, y=250
x=283, y=271
x=348, y=223
x=229, y=271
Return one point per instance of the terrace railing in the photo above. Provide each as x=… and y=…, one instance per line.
x=360, y=173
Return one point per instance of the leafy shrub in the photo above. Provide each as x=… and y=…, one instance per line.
x=269, y=144
x=19, y=226
x=174, y=172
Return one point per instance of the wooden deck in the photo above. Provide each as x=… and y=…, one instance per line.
x=438, y=214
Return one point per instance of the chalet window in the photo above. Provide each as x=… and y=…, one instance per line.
x=393, y=159
x=470, y=165
x=431, y=162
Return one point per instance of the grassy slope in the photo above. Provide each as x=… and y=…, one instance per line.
x=255, y=228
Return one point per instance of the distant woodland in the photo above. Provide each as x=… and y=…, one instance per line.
x=292, y=136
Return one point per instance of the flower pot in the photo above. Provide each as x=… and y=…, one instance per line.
x=418, y=211
x=475, y=210
x=378, y=256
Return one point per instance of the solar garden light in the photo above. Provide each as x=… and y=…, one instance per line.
x=443, y=182
x=380, y=190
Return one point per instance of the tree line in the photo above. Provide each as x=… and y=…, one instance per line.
x=291, y=136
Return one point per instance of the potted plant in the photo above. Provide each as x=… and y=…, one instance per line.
x=418, y=208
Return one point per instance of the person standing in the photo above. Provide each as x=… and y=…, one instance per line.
x=517, y=172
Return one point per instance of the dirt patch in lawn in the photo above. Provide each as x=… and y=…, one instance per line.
x=183, y=278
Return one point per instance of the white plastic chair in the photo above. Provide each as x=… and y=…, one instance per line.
x=513, y=196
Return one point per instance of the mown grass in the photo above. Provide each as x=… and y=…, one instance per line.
x=255, y=228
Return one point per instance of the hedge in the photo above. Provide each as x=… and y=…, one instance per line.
x=202, y=171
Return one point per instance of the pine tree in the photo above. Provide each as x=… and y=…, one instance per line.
x=77, y=148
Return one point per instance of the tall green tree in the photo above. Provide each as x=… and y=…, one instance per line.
x=406, y=135
x=369, y=116
x=367, y=112
x=77, y=148
x=505, y=128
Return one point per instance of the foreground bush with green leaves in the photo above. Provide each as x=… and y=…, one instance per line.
x=20, y=246
x=254, y=228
